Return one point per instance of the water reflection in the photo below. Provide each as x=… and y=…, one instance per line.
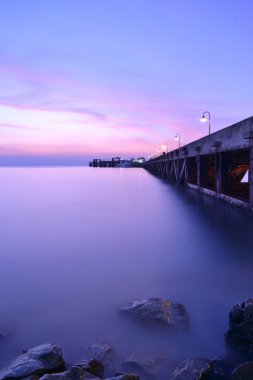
x=78, y=243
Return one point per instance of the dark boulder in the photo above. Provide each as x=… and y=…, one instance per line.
x=243, y=372
x=221, y=369
x=193, y=369
x=158, y=311
x=145, y=364
x=94, y=367
x=125, y=376
x=39, y=360
x=103, y=353
x=240, y=333
x=76, y=372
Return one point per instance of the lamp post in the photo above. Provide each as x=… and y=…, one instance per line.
x=177, y=137
x=204, y=119
x=165, y=146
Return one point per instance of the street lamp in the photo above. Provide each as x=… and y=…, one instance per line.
x=177, y=137
x=204, y=119
x=165, y=146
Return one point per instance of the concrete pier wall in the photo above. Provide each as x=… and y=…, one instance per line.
x=216, y=164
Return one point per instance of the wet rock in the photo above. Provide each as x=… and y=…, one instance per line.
x=158, y=311
x=103, y=353
x=94, y=367
x=240, y=333
x=243, y=372
x=221, y=369
x=193, y=369
x=146, y=364
x=75, y=372
x=39, y=360
x=125, y=376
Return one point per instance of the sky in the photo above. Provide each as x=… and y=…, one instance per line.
x=84, y=79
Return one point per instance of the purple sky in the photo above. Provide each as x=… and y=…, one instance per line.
x=99, y=78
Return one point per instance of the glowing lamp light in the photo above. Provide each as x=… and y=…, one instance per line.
x=165, y=148
x=204, y=119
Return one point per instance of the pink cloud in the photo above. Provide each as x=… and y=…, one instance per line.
x=16, y=126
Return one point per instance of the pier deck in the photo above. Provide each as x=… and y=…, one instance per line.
x=220, y=164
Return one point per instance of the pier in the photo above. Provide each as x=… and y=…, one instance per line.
x=220, y=164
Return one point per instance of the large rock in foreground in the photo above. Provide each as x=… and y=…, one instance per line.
x=102, y=352
x=192, y=369
x=240, y=333
x=39, y=360
x=125, y=376
x=145, y=364
x=158, y=311
x=243, y=372
x=76, y=372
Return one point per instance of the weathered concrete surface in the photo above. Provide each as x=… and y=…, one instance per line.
x=236, y=136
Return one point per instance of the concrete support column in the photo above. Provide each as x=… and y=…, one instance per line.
x=218, y=179
x=198, y=165
x=218, y=173
x=251, y=177
x=198, y=170
x=185, y=163
x=186, y=170
x=177, y=167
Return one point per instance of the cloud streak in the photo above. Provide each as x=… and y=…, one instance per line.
x=16, y=126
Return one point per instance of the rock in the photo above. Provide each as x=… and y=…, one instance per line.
x=221, y=369
x=125, y=376
x=76, y=372
x=146, y=364
x=240, y=333
x=158, y=311
x=103, y=353
x=243, y=372
x=94, y=367
x=39, y=360
x=192, y=369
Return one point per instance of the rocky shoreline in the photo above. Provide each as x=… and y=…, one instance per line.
x=46, y=362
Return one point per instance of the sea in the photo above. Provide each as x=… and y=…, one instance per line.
x=77, y=244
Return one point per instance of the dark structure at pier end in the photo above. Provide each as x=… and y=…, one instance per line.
x=117, y=162
x=220, y=164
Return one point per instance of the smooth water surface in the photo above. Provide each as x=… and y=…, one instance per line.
x=78, y=243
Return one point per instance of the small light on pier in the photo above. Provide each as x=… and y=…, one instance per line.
x=204, y=119
x=177, y=137
x=165, y=147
